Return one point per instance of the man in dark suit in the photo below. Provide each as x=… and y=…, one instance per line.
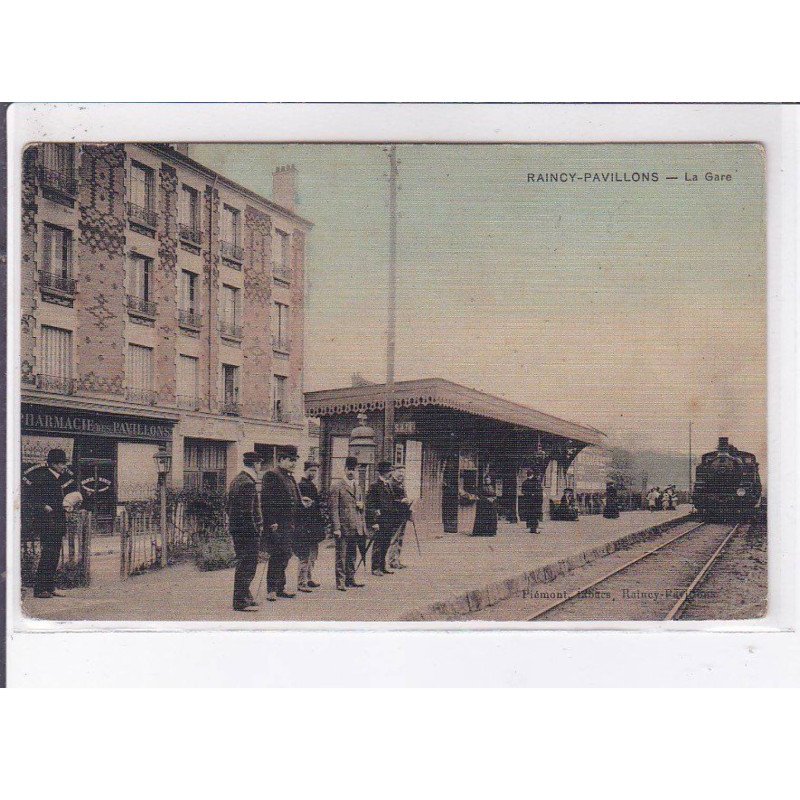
x=43, y=500
x=246, y=527
x=402, y=514
x=349, y=529
x=532, y=501
x=380, y=517
x=310, y=527
x=280, y=503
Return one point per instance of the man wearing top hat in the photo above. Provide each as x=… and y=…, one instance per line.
x=280, y=503
x=310, y=527
x=43, y=489
x=349, y=529
x=246, y=527
x=380, y=517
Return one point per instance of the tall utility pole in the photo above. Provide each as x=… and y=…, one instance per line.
x=690, y=459
x=388, y=417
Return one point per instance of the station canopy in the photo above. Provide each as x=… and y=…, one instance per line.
x=446, y=394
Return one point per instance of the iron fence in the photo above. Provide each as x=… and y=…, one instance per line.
x=189, y=233
x=65, y=183
x=188, y=319
x=141, y=306
x=231, y=251
x=63, y=284
x=146, y=397
x=230, y=330
x=55, y=383
x=139, y=215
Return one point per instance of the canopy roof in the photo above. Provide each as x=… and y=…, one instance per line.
x=439, y=392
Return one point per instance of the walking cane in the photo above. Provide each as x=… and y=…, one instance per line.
x=414, y=526
x=261, y=582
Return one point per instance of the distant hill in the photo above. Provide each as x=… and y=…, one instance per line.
x=660, y=469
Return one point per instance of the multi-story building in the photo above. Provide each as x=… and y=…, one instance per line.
x=162, y=304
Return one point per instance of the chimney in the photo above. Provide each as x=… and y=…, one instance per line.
x=284, y=186
x=723, y=443
x=181, y=147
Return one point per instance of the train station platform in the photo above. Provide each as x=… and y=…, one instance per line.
x=454, y=575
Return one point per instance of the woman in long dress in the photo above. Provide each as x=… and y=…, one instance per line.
x=486, y=511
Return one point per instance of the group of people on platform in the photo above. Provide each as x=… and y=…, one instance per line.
x=662, y=499
x=530, y=505
x=291, y=518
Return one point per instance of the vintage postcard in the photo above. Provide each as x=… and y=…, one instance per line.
x=386, y=383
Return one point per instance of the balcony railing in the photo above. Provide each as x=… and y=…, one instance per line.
x=139, y=215
x=282, y=274
x=230, y=406
x=141, y=307
x=282, y=343
x=55, y=383
x=188, y=402
x=230, y=331
x=57, y=283
x=146, y=397
x=189, y=233
x=231, y=252
x=188, y=319
x=62, y=182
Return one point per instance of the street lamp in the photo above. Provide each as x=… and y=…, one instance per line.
x=362, y=446
x=163, y=463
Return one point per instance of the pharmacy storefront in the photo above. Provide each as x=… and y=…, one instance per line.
x=111, y=455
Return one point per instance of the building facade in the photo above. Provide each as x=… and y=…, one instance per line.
x=162, y=304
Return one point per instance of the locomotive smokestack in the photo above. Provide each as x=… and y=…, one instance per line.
x=723, y=443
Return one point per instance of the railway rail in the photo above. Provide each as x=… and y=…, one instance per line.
x=684, y=559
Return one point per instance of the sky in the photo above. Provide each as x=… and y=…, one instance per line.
x=631, y=307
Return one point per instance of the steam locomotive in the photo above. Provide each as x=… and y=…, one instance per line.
x=727, y=482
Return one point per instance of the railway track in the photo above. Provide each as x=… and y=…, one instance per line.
x=652, y=585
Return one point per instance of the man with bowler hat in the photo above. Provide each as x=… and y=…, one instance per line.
x=43, y=500
x=246, y=527
x=280, y=503
x=349, y=529
x=310, y=528
x=380, y=517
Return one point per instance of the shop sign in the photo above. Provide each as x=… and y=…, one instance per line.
x=76, y=423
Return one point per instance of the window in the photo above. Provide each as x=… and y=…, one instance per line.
x=230, y=246
x=230, y=389
x=279, y=410
x=140, y=285
x=57, y=251
x=230, y=225
x=280, y=327
x=57, y=260
x=283, y=256
x=142, y=206
x=188, y=316
x=188, y=291
x=139, y=372
x=231, y=312
x=204, y=465
x=59, y=159
x=188, y=382
x=189, y=215
x=142, y=183
x=56, y=368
